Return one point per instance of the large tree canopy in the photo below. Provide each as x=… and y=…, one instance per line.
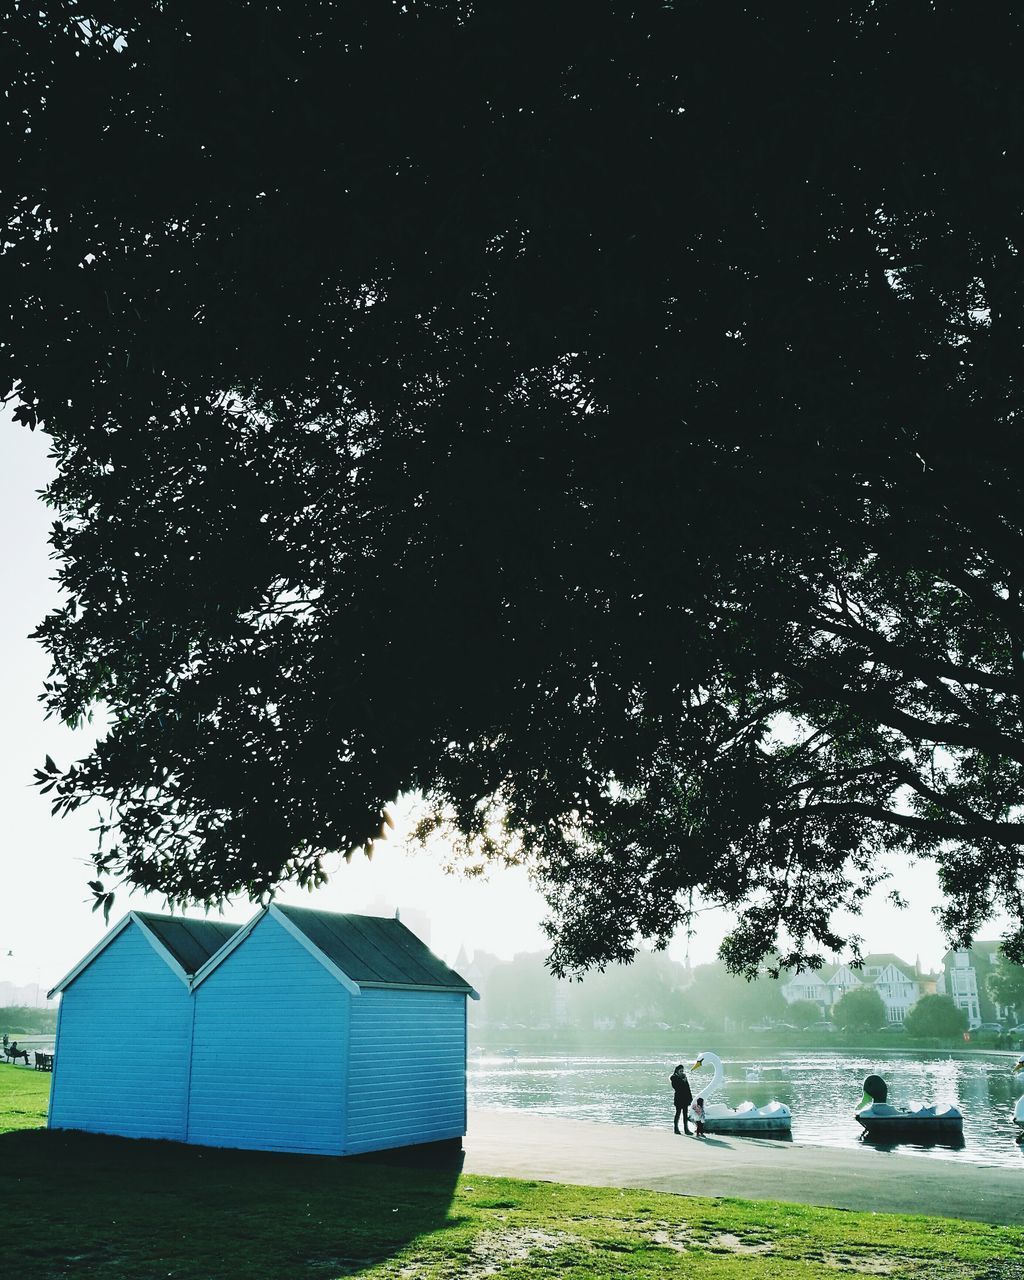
x=601, y=418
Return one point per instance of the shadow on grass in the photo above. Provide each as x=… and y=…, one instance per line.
x=83, y=1204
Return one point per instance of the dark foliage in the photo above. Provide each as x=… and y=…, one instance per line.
x=600, y=418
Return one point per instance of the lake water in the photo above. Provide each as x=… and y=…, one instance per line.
x=822, y=1089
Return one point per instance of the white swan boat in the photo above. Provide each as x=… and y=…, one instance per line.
x=1018, y=1109
x=879, y=1119
x=747, y=1118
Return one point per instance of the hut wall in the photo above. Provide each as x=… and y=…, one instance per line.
x=268, y=1050
x=122, y=1052
x=407, y=1068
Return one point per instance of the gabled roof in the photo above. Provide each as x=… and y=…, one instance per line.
x=359, y=951
x=882, y=960
x=812, y=976
x=374, y=951
x=184, y=944
x=847, y=967
x=191, y=942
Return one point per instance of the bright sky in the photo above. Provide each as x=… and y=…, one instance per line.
x=46, y=920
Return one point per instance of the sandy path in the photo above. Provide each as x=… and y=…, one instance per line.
x=521, y=1145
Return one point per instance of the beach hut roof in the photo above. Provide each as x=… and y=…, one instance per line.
x=360, y=951
x=184, y=944
x=190, y=942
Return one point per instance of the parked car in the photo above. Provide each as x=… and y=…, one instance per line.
x=995, y=1028
x=824, y=1025
x=1017, y=1031
x=894, y=1028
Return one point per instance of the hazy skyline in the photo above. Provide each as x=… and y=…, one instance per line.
x=45, y=915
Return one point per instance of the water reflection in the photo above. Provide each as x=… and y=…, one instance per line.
x=954, y=1142
x=822, y=1089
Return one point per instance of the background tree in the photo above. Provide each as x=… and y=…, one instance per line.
x=644, y=993
x=936, y=1016
x=520, y=991
x=802, y=1013
x=567, y=412
x=859, y=1009
x=1006, y=985
x=723, y=1001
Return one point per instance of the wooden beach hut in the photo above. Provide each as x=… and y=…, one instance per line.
x=327, y=1033
x=124, y=1028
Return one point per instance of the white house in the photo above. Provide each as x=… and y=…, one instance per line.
x=897, y=982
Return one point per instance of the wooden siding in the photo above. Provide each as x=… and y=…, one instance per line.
x=121, y=1062
x=407, y=1069
x=268, y=1050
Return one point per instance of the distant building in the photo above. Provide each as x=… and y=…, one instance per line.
x=929, y=981
x=560, y=1005
x=897, y=982
x=477, y=971
x=963, y=977
x=29, y=996
x=415, y=920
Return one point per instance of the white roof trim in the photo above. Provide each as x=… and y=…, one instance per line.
x=351, y=987
x=131, y=918
x=467, y=990
x=87, y=960
x=160, y=949
x=236, y=940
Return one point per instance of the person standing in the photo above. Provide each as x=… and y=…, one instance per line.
x=683, y=1097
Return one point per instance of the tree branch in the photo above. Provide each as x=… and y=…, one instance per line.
x=882, y=711
x=913, y=662
x=1005, y=832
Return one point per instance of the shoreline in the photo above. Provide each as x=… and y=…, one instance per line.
x=521, y=1144
x=744, y=1049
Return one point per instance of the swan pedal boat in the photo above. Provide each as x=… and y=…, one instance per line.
x=880, y=1119
x=776, y=1117
x=747, y=1118
x=1018, y=1110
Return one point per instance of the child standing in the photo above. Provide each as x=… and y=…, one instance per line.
x=698, y=1115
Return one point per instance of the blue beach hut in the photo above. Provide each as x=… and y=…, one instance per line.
x=327, y=1033
x=301, y=1031
x=124, y=1028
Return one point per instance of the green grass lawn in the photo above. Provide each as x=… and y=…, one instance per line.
x=84, y=1206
